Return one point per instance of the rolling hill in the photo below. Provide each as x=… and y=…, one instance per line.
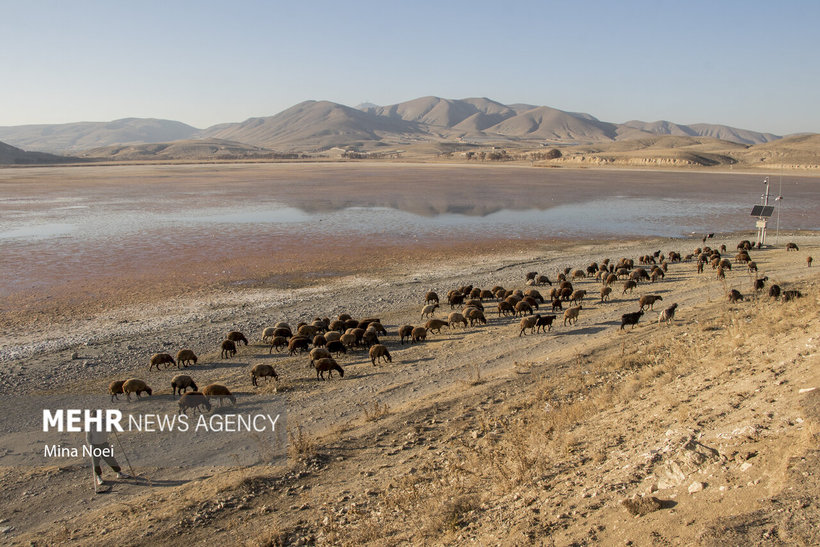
x=10, y=155
x=73, y=137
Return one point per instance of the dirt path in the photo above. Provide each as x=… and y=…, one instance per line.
x=457, y=375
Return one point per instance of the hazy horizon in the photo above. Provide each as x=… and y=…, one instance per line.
x=741, y=64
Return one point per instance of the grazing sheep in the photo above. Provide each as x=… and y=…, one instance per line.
x=531, y=275
x=577, y=296
x=522, y=307
x=328, y=365
x=475, y=303
x=431, y=296
x=638, y=274
x=161, y=359
x=456, y=317
x=752, y=265
x=218, y=391
x=735, y=296
x=434, y=325
x=228, y=349
x=556, y=304
x=725, y=263
x=791, y=295
x=535, y=294
x=298, y=343
x=528, y=323
x=744, y=245
x=631, y=318
x=544, y=280
x=351, y=324
x=135, y=386
x=629, y=285
x=742, y=257
x=378, y=352
x=406, y=331
x=566, y=293
x=505, y=308
x=475, y=316
x=267, y=333
x=263, y=371
x=605, y=292
x=193, y=400
x=349, y=340
x=336, y=347
x=284, y=332
x=579, y=274
x=319, y=341
x=344, y=317
x=720, y=273
x=774, y=291
x=308, y=331
x=115, y=388
x=610, y=279
x=455, y=299
x=700, y=266
x=318, y=353
x=180, y=383
x=428, y=310
x=809, y=260
x=236, y=336
x=337, y=325
x=418, y=334
x=544, y=321
x=378, y=327
x=668, y=315
x=278, y=342
x=792, y=247
x=369, y=338
x=655, y=275
x=185, y=356
x=332, y=335
x=759, y=283
x=571, y=315
x=649, y=300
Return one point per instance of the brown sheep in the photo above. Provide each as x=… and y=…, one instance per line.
x=571, y=315
x=193, y=400
x=336, y=347
x=431, y=297
x=418, y=334
x=528, y=323
x=792, y=247
x=185, y=356
x=308, y=331
x=809, y=260
x=735, y=296
x=318, y=353
x=278, y=342
x=135, y=386
x=319, y=341
x=406, y=331
x=577, y=296
x=434, y=325
x=579, y=274
x=720, y=273
x=378, y=352
x=649, y=300
x=228, y=349
x=327, y=365
x=474, y=315
x=263, y=371
x=114, y=388
x=236, y=336
x=629, y=285
x=349, y=340
x=180, y=383
x=605, y=292
x=161, y=359
x=455, y=318
x=218, y=391
x=298, y=343
x=505, y=308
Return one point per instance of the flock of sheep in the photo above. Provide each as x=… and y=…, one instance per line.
x=324, y=339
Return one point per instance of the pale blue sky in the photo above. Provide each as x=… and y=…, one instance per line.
x=747, y=64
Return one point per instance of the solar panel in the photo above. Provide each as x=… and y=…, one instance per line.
x=762, y=210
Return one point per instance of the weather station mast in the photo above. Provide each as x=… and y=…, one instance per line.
x=763, y=212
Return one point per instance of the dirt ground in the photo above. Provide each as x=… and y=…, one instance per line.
x=706, y=429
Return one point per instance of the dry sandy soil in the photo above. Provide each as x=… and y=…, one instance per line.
x=477, y=434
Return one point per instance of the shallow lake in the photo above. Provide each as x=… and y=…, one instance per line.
x=62, y=223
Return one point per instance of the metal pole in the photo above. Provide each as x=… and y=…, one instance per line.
x=779, y=200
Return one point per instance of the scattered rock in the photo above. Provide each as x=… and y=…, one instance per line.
x=641, y=505
x=696, y=487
